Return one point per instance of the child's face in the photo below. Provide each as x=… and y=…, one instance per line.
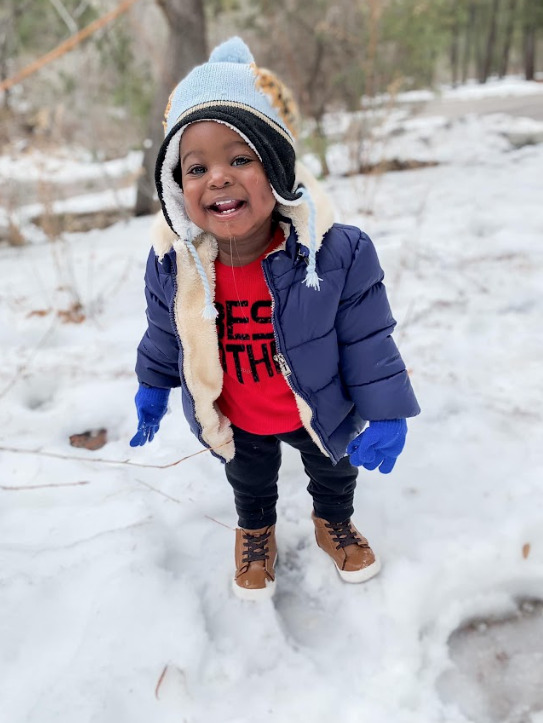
x=227, y=192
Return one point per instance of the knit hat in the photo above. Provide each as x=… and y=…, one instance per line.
x=232, y=90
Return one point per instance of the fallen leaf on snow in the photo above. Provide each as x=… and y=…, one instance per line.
x=92, y=439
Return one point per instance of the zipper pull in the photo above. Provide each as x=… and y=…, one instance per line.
x=303, y=256
x=280, y=359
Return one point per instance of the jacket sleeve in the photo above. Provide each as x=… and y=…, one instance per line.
x=157, y=361
x=371, y=365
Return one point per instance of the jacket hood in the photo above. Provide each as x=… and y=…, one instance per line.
x=164, y=235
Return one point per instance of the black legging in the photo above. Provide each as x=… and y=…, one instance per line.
x=254, y=471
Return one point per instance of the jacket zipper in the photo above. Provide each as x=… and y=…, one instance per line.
x=284, y=366
x=279, y=358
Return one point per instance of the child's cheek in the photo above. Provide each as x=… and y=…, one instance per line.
x=189, y=208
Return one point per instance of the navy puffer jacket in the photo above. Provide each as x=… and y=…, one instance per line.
x=334, y=345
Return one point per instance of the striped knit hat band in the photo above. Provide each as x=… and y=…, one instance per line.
x=273, y=147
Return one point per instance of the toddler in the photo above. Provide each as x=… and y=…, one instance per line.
x=272, y=318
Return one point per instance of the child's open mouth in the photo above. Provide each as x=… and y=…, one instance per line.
x=227, y=207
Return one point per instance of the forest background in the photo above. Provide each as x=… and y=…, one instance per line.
x=107, y=94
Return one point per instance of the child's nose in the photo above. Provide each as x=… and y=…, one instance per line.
x=220, y=176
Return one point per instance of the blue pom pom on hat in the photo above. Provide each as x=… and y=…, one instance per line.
x=233, y=50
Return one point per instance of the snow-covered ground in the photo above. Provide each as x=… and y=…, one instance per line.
x=511, y=86
x=67, y=166
x=115, y=601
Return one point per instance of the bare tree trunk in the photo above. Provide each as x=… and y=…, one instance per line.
x=468, y=44
x=486, y=67
x=11, y=14
x=529, y=53
x=370, y=71
x=508, y=38
x=455, y=47
x=318, y=103
x=528, y=38
x=186, y=47
x=312, y=90
x=477, y=33
x=4, y=55
x=431, y=71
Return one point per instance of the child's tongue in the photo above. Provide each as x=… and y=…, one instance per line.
x=226, y=206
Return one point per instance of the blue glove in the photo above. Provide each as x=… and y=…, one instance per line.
x=379, y=445
x=151, y=404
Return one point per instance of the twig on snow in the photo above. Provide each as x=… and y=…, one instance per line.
x=100, y=460
x=159, y=492
x=23, y=488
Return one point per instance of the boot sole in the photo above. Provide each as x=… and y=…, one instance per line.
x=357, y=576
x=254, y=594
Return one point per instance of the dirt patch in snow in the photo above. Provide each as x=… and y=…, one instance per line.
x=497, y=676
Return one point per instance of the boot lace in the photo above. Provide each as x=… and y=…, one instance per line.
x=257, y=547
x=344, y=535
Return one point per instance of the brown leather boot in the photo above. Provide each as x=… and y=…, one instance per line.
x=354, y=559
x=256, y=552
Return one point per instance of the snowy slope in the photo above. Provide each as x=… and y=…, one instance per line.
x=115, y=597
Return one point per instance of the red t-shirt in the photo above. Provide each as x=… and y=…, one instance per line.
x=255, y=395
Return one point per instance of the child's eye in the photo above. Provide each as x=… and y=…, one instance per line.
x=196, y=170
x=241, y=161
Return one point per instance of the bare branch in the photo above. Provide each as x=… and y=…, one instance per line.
x=7, y=488
x=65, y=15
x=99, y=460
